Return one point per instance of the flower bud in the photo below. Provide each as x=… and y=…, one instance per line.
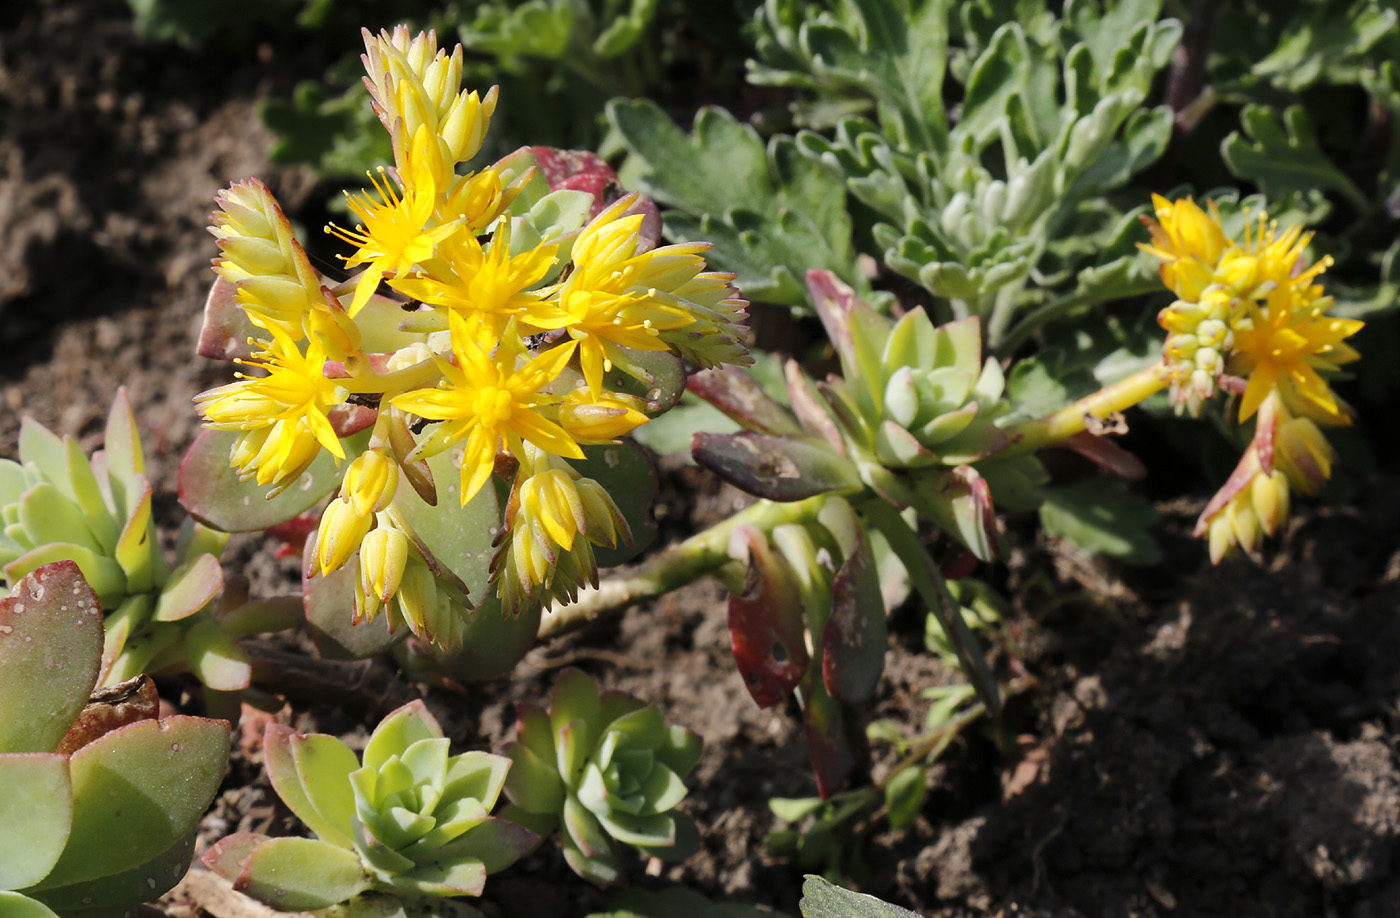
x=599, y=419
x=383, y=557
x=340, y=534
x=370, y=482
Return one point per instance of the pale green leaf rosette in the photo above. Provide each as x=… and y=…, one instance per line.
x=607, y=771
x=409, y=819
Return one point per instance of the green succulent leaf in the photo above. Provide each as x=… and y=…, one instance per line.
x=216, y=659
x=191, y=587
x=455, y=539
x=18, y=905
x=50, y=651
x=495, y=843
x=533, y=783
x=627, y=474
x=298, y=874
x=328, y=601
x=142, y=883
x=35, y=820
x=402, y=728
x=904, y=796
x=776, y=468
x=282, y=769
x=211, y=492
x=148, y=782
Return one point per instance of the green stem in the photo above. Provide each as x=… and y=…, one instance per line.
x=366, y=381
x=701, y=554
x=928, y=581
x=1072, y=419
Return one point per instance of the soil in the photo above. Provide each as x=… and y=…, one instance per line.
x=1198, y=741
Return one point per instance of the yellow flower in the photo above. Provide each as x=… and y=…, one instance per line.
x=614, y=298
x=1188, y=241
x=1287, y=342
x=550, y=506
x=275, y=284
x=397, y=232
x=415, y=85
x=487, y=287
x=282, y=416
x=486, y=400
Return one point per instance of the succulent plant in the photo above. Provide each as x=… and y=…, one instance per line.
x=102, y=798
x=607, y=771
x=409, y=819
x=57, y=504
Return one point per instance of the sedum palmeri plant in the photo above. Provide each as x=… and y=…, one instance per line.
x=407, y=819
x=1252, y=319
x=102, y=797
x=60, y=505
x=531, y=325
x=606, y=771
x=919, y=428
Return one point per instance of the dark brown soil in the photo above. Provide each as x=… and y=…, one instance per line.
x=1200, y=741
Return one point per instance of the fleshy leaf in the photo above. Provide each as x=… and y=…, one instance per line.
x=50, y=650
x=403, y=727
x=211, y=492
x=736, y=393
x=766, y=629
x=297, y=874
x=853, y=643
x=37, y=815
x=775, y=468
x=142, y=883
x=190, y=588
x=822, y=899
x=147, y=783
x=286, y=780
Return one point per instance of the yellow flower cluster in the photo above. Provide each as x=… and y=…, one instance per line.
x=1251, y=318
x=498, y=348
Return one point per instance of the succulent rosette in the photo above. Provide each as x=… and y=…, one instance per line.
x=102, y=797
x=607, y=771
x=408, y=819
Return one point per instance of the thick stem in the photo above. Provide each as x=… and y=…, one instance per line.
x=701, y=554
x=1070, y=420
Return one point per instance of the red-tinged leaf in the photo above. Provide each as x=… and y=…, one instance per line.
x=109, y=708
x=211, y=492
x=347, y=419
x=811, y=409
x=834, y=300
x=827, y=743
x=298, y=874
x=735, y=393
x=226, y=329
x=580, y=170
x=227, y=856
x=50, y=650
x=766, y=629
x=293, y=534
x=853, y=642
x=1107, y=455
x=776, y=468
